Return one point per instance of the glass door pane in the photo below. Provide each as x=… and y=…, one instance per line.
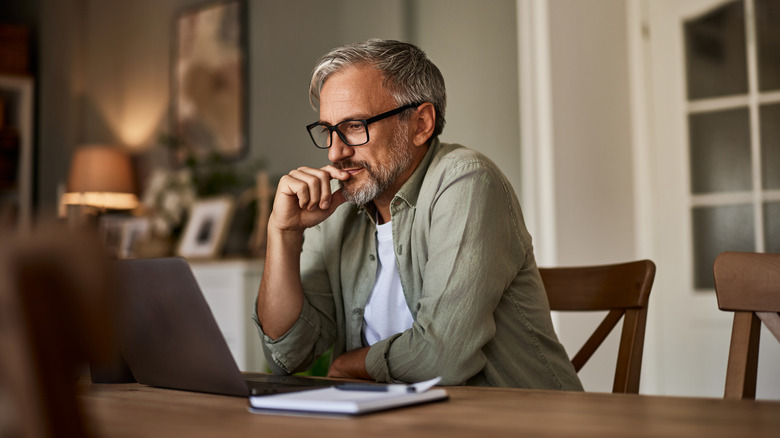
x=770, y=145
x=772, y=227
x=768, y=39
x=718, y=229
x=720, y=151
x=716, y=54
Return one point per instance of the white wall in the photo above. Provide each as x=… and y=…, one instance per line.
x=60, y=82
x=592, y=160
x=126, y=70
x=474, y=44
x=592, y=131
x=286, y=39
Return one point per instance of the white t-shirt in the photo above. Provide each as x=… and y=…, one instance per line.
x=386, y=312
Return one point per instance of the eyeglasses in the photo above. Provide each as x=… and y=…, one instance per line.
x=351, y=132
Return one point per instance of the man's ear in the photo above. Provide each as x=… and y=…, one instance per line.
x=424, y=122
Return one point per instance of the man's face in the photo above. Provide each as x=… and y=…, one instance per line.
x=379, y=167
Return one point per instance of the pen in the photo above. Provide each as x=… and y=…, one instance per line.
x=376, y=388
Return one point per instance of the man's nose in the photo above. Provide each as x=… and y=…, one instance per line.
x=338, y=149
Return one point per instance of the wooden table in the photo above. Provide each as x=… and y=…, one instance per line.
x=133, y=410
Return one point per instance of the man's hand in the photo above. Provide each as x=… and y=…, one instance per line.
x=303, y=198
x=351, y=364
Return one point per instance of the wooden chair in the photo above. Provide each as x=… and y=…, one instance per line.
x=747, y=284
x=622, y=289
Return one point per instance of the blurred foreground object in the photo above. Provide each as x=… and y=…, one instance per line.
x=53, y=319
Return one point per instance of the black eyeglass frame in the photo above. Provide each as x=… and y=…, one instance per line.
x=365, y=122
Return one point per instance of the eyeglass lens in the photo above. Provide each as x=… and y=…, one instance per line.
x=351, y=132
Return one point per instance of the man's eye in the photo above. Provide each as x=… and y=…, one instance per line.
x=353, y=126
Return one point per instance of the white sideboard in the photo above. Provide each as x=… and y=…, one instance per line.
x=230, y=288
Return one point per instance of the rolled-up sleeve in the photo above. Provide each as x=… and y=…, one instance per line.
x=314, y=330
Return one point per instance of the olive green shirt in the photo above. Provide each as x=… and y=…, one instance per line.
x=468, y=273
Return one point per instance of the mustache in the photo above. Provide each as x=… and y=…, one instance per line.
x=350, y=164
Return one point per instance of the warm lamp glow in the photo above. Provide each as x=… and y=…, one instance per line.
x=101, y=176
x=139, y=123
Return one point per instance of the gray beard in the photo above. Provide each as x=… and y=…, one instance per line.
x=363, y=195
x=383, y=176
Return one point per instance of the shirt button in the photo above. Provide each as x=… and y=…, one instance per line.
x=371, y=257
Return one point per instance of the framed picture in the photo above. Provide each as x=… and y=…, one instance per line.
x=134, y=230
x=209, y=80
x=110, y=227
x=206, y=228
x=121, y=233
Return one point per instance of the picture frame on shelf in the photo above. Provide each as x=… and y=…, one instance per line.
x=121, y=233
x=110, y=227
x=206, y=229
x=134, y=230
x=208, y=80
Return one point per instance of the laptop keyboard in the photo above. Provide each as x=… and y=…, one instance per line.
x=265, y=384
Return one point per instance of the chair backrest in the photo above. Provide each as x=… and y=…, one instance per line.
x=747, y=284
x=622, y=289
x=53, y=318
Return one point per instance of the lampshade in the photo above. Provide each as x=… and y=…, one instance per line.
x=101, y=176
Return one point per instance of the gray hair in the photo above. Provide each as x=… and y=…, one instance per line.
x=409, y=75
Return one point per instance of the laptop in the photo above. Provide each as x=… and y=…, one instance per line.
x=169, y=338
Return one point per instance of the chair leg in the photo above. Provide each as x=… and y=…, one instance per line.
x=743, y=357
x=628, y=369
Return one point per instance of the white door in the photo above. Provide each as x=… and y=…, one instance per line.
x=714, y=73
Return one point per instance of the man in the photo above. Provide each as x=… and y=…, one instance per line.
x=416, y=263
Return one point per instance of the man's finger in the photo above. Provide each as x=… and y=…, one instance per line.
x=336, y=173
x=317, y=184
x=336, y=199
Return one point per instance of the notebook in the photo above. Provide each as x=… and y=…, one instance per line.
x=169, y=338
x=348, y=399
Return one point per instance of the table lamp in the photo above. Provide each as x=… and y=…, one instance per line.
x=101, y=177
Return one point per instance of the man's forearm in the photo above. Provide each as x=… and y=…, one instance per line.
x=351, y=364
x=303, y=200
x=280, y=298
